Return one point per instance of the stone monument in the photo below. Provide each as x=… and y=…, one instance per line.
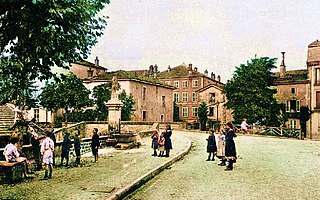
x=114, y=107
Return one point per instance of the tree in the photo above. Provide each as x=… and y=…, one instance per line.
x=37, y=35
x=249, y=92
x=304, y=116
x=101, y=95
x=203, y=115
x=67, y=93
x=128, y=103
x=176, y=117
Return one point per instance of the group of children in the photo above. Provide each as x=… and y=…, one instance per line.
x=222, y=146
x=162, y=142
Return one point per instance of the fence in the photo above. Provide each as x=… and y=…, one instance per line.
x=276, y=131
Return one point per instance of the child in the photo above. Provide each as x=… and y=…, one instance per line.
x=161, y=145
x=154, y=145
x=221, y=148
x=211, y=146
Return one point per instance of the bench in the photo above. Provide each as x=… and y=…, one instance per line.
x=12, y=171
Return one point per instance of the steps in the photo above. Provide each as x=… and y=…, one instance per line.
x=6, y=120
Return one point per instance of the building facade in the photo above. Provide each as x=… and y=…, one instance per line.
x=85, y=69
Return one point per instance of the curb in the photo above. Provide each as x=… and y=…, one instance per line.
x=125, y=191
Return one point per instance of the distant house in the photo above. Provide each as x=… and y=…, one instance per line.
x=84, y=69
x=192, y=88
x=153, y=99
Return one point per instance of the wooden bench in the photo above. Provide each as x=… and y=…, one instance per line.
x=12, y=171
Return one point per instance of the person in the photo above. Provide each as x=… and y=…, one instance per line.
x=36, y=149
x=154, y=144
x=161, y=144
x=230, y=148
x=47, y=149
x=244, y=126
x=11, y=154
x=95, y=144
x=66, y=145
x=49, y=129
x=211, y=146
x=221, y=147
x=77, y=147
x=167, y=138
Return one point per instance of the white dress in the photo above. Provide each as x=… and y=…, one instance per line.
x=47, y=149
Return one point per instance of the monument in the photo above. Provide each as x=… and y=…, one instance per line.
x=114, y=108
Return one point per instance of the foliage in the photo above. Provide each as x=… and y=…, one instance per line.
x=304, y=116
x=249, y=92
x=101, y=95
x=203, y=115
x=67, y=93
x=128, y=103
x=37, y=35
x=87, y=115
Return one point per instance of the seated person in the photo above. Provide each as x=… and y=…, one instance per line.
x=12, y=155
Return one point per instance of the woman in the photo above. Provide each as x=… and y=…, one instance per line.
x=167, y=138
x=95, y=144
x=47, y=149
x=211, y=146
x=230, y=150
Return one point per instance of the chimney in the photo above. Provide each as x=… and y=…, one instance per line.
x=195, y=69
x=213, y=76
x=206, y=72
x=151, y=70
x=219, y=78
x=155, y=68
x=282, y=67
x=169, y=68
x=96, y=62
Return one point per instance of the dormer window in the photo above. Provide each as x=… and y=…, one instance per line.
x=90, y=72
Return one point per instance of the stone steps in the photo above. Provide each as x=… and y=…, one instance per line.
x=6, y=120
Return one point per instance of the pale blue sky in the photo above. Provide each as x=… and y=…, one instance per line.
x=211, y=34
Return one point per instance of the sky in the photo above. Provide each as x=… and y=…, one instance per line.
x=216, y=35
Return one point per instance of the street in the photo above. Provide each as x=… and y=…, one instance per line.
x=268, y=168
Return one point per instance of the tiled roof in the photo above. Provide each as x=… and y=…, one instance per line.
x=179, y=71
x=292, y=76
x=89, y=64
x=314, y=44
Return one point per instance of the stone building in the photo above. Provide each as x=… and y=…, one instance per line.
x=84, y=69
x=153, y=99
x=192, y=88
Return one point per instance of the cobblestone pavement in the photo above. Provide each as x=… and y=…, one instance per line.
x=267, y=168
x=114, y=170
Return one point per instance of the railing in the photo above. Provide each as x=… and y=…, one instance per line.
x=276, y=131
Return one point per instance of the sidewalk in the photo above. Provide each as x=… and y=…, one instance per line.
x=115, y=173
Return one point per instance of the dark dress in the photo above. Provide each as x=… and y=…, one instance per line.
x=77, y=146
x=167, y=139
x=211, y=147
x=155, y=138
x=66, y=145
x=230, y=150
x=95, y=144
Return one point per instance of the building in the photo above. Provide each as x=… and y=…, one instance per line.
x=192, y=88
x=84, y=69
x=153, y=99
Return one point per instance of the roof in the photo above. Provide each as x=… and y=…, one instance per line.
x=89, y=64
x=128, y=75
x=219, y=87
x=178, y=72
x=292, y=76
x=314, y=44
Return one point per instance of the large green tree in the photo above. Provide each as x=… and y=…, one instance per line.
x=128, y=103
x=69, y=93
x=36, y=35
x=250, y=94
x=203, y=115
x=101, y=95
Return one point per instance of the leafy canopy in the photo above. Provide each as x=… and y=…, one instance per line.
x=101, y=94
x=250, y=94
x=203, y=115
x=36, y=35
x=128, y=103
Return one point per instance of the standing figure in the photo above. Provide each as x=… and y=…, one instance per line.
x=244, y=126
x=161, y=144
x=47, y=149
x=167, y=138
x=154, y=145
x=49, y=129
x=211, y=146
x=221, y=147
x=66, y=145
x=36, y=150
x=77, y=147
x=230, y=151
x=95, y=144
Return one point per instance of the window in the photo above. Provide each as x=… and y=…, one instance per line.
x=293, y=90
x=293, y=106
x=212, y=97
x=161, y=118
x=293, y=123
x=36, y=115
x=318, y=99
x=144, y=115
x=144, y=93
x=184, y=96
x=317, y=81
x=184, y=84
x=195, y=83
x=176, y=84
x=163, y=101
x=185, y=112
x=194, y=96
x=176, y=97
x=90, y=72
x=211, y=111
x=194, y=111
